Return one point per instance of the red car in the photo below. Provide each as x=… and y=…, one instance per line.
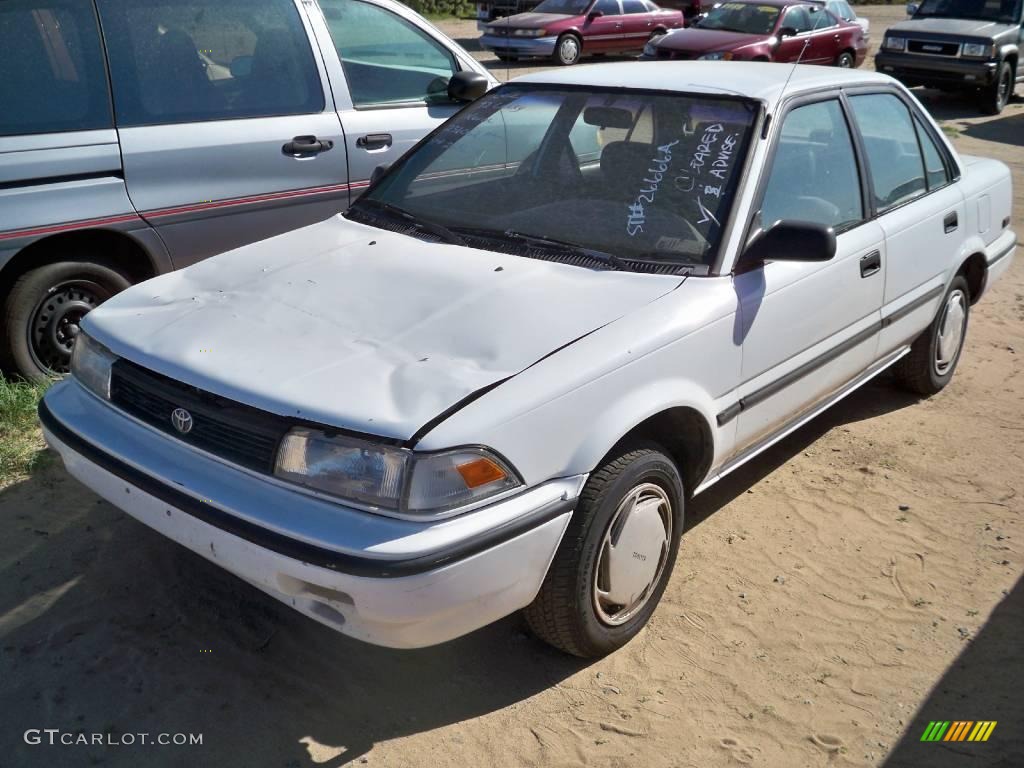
x=567, y=29
x=766, y=30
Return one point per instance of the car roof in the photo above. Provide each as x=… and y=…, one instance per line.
x=753, y=79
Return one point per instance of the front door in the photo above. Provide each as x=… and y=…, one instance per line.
x=605, y=32
x=808, y=328
x=213, y=99
x=390, y=84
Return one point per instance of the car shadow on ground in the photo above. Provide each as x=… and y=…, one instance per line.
x=984, y=683
x=107, y=627
x=964, y=106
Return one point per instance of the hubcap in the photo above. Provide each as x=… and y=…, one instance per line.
x=1004, y=90
x=633, y=554
x=951, y=331
x=56, y=321
x=845, y=62
x=570, y=49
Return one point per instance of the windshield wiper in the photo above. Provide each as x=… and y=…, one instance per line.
x=426, y=225
x=548, y=242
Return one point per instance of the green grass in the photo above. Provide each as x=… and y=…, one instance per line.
x=21, y=442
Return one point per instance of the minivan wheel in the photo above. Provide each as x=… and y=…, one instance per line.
x=568, y=50
x=616, y=556
x=845, y=60
x=933, y=357
x=996, y=96
x=43, y=312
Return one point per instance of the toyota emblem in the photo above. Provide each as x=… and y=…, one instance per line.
x=182, y=420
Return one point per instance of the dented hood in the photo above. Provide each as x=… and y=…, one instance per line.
x=359, y=328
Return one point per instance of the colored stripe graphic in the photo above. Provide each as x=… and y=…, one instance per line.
x=958, y=730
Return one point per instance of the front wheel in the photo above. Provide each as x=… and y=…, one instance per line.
x=616, y=556
x=568, y=50
x=995, y=97
x=933, y=357
x=845, y=60
x=44, y=309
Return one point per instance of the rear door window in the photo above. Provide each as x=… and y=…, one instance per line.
x=893, y=153
x=178, y=61
x=52, y=76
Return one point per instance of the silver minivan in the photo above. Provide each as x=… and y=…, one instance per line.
x=140, y=136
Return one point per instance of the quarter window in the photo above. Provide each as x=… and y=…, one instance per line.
x=814, y=173
x=935, y=168
x=633, y=6
x=893, y=153
x=177, y=61
x=387, y=60
x=53, y=78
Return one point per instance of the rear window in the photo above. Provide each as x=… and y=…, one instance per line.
x=52, y=76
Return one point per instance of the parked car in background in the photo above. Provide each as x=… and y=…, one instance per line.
x=223, y=122
x=959, y=45
x=496, y=9
x=841, y=9
x=566, y=30
x=765, y=30
x=498, y=379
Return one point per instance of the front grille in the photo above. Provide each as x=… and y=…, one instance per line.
x=933, y=47
x=238, y=433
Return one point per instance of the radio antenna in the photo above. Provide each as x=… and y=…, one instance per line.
x=785, y=85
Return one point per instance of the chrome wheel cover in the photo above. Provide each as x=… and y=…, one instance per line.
x=951, y=332
x=633, y=553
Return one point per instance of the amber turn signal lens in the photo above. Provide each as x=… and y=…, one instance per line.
x=480, y=472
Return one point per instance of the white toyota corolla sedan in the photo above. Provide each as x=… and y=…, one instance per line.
x=495, y=381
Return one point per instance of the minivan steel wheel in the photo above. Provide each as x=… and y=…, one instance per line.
x=56, y=320
x=616, y=554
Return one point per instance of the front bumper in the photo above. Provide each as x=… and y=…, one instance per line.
x=398, y=583
x=519, y=46
x=914, y=69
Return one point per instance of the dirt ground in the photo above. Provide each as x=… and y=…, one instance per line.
x=856, y=581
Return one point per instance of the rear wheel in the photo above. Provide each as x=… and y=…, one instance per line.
x=933, y=357
x=568, y=50
x=996, y=96
x=845, y=60
x=44, y=309
x=616, y=555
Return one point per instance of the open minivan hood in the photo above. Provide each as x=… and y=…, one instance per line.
x=359, y=328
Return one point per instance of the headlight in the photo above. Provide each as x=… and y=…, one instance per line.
x=90, y=365
x=391, y=479
x=528, y=33
x=650, y=49
x=719, y=56
x=978, y=50
x=895, y=44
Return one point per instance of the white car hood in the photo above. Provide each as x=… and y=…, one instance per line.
x=360, y=328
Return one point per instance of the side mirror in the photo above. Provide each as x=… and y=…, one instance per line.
x=241, y=66
x=792, y=241
x=594, y=15
x=787, y=32
x=912, y=8
x=467, y=86
x=379, y=171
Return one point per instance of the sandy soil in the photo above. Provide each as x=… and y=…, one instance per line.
x=855, y=582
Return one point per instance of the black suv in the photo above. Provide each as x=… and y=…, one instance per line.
x=957, y=45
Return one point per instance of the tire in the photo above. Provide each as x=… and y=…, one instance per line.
x=568, y=612
x=995, y=97
x=845, y=60
x=42, y=311
x=928, y=368
x=568, y=49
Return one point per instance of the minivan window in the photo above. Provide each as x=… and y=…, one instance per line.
x=387, y=60
x=52, y=76
x=177, y=61
x=893, y=154
x=814, y=173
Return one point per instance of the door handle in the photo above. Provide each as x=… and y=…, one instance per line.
x=307, y=145
x=950, y=223
x=374, y=141
x=871, y=264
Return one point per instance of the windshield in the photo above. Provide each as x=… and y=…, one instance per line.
x=1006, y=11
x=640, y=177
x=742, y=17
x=569, y=7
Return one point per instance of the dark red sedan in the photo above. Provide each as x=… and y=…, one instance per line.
x=567, y=29
x=766, y=30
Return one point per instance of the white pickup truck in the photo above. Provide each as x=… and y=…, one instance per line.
x=495, y=382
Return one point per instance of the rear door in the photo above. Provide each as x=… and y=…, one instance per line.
x=390, y=74
x=605, y=33
x=638, y=22
x=223, y=119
